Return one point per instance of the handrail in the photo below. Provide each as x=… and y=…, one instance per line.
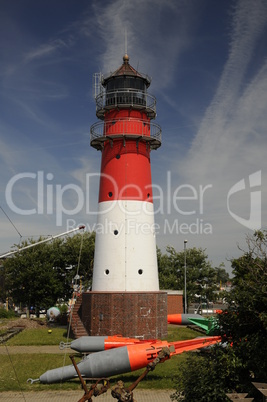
x=126, y=97
x=126, y=127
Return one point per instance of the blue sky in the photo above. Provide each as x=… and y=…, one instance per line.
x=208, y=64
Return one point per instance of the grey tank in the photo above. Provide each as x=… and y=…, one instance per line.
x=100, y=364
x=87, y=344
x=185, y=318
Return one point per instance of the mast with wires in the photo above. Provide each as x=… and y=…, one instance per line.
x=50, y=238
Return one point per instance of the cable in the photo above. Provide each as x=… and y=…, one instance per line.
x=20, y=235
x=72, y=305
x=13, y=367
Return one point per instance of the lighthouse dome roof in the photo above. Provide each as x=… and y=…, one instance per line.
x=127, y=70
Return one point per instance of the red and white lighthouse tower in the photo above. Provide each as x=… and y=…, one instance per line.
x=125, y=253
x=125, y=272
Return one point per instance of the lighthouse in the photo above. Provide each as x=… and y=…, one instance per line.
x=125, y=296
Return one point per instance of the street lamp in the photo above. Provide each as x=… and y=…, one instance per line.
x=185, y=302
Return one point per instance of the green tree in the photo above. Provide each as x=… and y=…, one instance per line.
x=168, y=276
x=200, y=275
x=41, y=275
x=3, y=291
x=246, y=324
x=30, y=278
x=241, y=359
x=222, y=276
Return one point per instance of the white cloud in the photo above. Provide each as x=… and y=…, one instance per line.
x=45, y=50
x=149, y=34
x=223, y=128
x=231, y=141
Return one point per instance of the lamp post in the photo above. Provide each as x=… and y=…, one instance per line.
x=185, y=301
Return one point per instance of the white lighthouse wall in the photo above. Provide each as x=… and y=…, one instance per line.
x=125, y=260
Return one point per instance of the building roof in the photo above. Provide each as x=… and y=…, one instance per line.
x=127, y=69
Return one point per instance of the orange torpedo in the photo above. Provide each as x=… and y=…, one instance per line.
x=123, y=359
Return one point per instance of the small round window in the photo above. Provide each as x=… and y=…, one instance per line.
x=140, y=271
x=118, y=156
x=116, y=232
x=110, y=194
x=107, y=271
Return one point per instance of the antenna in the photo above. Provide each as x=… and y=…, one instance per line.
x=125, y=41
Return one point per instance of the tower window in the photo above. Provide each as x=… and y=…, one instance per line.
x=116, y=232
x=110, y=194
x=107, y=271
x=140, y=271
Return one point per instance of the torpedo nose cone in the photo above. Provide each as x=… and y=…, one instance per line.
x=58, y=375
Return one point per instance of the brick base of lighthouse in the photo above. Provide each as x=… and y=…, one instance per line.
x=130, y=314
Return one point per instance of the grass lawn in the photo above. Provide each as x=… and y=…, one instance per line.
x=16, y=369
x=40, y=336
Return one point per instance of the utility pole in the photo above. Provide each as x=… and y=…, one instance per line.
x=185, y=297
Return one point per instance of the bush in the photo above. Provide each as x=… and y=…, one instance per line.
x=7, y=313
x=207, y=376
x=63, y=308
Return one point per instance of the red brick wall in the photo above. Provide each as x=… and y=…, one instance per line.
x=175, y=304
x=130, y=314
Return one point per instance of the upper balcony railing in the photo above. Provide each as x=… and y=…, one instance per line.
x=126, y=128
x=125, y=98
